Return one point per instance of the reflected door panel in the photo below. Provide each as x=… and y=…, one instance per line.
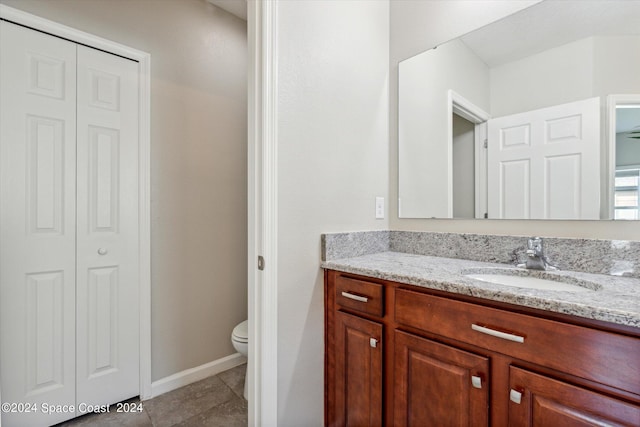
x=545, y=163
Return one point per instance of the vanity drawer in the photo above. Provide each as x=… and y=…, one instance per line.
x=576, y=350
x=360, y=295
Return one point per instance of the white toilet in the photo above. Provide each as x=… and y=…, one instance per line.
x=240, y=341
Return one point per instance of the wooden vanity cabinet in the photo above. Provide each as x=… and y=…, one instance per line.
x=538, y=400
x=358, y=365
x=442, y=359
x=354, y=353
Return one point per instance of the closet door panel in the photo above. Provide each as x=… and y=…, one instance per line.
x=107, y=228
x=37, y=220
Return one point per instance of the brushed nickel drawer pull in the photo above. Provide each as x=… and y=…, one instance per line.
x=354, y=297
x=494, y=333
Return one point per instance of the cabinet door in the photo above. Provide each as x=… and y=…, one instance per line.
x=358, y=354
x=438, y=385
x=536, y=400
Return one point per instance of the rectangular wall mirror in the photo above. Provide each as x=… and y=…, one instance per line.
x=535, y=116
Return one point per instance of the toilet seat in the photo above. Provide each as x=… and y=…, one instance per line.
x=240, y=341
x=241, y=332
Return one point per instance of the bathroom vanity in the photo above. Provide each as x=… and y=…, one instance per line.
x=411, y=340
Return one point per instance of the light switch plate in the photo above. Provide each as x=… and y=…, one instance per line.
x=379, y=207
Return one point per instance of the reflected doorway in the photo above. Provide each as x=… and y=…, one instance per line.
x=463, y=132
x=627, y=162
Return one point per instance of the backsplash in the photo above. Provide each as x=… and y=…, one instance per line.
x=610, y=257
x=347, y=245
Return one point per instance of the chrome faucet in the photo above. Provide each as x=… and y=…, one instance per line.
x=536, y=259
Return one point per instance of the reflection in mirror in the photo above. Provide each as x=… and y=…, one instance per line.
x=627, y=164
x=531, y=117
x=463, y=167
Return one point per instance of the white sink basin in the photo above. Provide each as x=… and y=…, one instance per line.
x=532, y=280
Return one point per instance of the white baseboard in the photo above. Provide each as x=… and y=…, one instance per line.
x=198, y=373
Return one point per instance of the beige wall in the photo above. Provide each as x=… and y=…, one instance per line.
x=198, y=164
x=420, y=25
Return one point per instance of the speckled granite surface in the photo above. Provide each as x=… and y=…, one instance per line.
x=614, y=257
x=346, y=245
x=440, y=260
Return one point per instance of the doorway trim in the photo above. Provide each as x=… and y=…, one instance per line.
x=262, y=369
x=459, y=105
x=144, y=203
x=610, y=155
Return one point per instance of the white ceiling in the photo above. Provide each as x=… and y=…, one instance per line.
x=552, y=23
x=235, y=7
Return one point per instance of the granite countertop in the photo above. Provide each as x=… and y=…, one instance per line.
x=616, y=300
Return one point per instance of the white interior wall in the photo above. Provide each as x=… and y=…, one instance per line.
x=418, y=26
x=424, y=123
x=555, y=76
x=332, y=163
x=198, y=165
x=593, y=66
x=616, y=65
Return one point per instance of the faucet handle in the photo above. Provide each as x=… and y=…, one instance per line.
x=534, y=244
x=534, y=241
x=534, y=248
x=536, y=256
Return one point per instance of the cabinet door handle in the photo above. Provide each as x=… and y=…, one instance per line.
x=476, y=382
x=494, y=333
x=515, y=396
x=354, y=297
x=373, y=342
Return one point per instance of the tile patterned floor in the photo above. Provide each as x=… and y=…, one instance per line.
x=214, y=401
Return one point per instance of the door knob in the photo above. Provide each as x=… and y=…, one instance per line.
x=102, y=251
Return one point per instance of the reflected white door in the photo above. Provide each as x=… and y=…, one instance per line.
x=69, y=221
x=107, y=228
x=545, y=164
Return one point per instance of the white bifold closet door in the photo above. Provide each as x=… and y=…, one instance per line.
x=69, y=322
x=107, y=228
